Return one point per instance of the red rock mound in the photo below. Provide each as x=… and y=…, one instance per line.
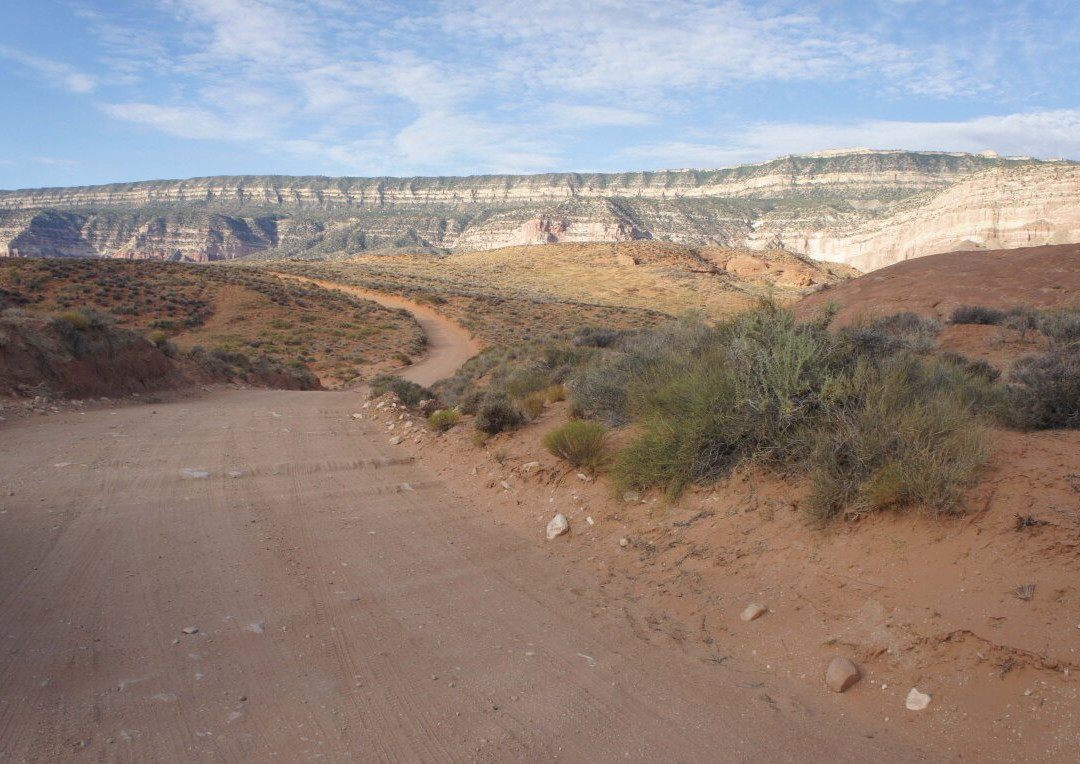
x=1038, y=277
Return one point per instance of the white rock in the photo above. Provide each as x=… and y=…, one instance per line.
x=624, y=542
x=589, y=520
x=366, y=405
x=190, y=630
x=583, y=476
x=558, y=526
x=357, y=416
x=916, y=701
x=395, y=440
x=528, y=467
x=841, y=674
x=505, y=486
x=753, y=612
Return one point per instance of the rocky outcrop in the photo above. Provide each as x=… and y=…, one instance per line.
x=997, y=209
x=865, y=208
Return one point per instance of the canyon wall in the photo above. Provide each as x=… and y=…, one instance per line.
x=866, y=208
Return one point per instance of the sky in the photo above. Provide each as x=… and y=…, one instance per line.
x=123, y=90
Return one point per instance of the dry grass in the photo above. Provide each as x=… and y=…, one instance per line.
x=516, y=293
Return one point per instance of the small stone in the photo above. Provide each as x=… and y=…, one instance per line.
x=558, y=526
x=631, y=496
x=753, y=612
x=589, y=520
x=584, y=477
x=395, y=440
x=917, y=701
x=357, y=416
x=528, y=467
x=243, y=698
x=841, y=674
x=256, y=628
x=505, y=485
x=624, y=542
x=190, y=630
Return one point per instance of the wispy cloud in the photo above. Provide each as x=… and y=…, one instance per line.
x=55, y=72
x=500, y=85
x=1043, y=134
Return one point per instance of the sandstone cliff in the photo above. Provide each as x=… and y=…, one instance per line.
x=865, y=208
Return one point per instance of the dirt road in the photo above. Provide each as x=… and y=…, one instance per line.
x=346, y=607
x=448, y=345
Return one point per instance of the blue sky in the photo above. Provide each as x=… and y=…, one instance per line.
x=119, y=90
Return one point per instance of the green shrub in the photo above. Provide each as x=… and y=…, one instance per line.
x=901, y=437
x=158, y=338
x=497, y=414
x=407, y=392
x=977, y=314
x=443, y=420
x=580, y=442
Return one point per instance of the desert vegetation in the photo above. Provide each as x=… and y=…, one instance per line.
x=230, y=312
x=872, y=414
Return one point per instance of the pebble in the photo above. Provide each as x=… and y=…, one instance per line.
x=624, y=542
x=558, y=526
x=916, y=701
x=841, y=674
x=395, y=440
x=190, y=630
x=753, y=612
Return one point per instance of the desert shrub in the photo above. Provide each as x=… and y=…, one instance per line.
x=403, y=358
x=533, y=405
x=496, y=413
x=1044, y=391
x=901, y=437
x=158, y=338
x=878, y=426
x=75, y=319
x=1060, y=327
x=977, y=314
x=590, y=336
x=555, y=393
x=443, y=420
x=748, y=392
x=580, y=442
x=407, y=392
x=979, y=367
x=892, y=334
x=470, y=402
x=1021, y=319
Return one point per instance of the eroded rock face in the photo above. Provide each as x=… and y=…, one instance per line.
x=863, y=208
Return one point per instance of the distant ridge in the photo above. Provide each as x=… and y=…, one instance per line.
x=839, y=205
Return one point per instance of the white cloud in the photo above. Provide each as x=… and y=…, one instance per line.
x=182, y=121
x=585, y=115
x=1041, y=133
x=55, y=72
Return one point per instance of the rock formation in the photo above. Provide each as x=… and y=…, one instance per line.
x=864, y=208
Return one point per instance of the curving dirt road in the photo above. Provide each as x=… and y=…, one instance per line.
x=347, y=609
x=448, y=344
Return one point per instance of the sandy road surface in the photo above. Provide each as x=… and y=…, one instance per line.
x=448, y=344
x=347, y=608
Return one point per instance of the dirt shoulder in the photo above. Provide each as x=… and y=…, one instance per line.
x=917, y=602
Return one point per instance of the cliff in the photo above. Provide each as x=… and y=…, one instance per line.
x=843, y=206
